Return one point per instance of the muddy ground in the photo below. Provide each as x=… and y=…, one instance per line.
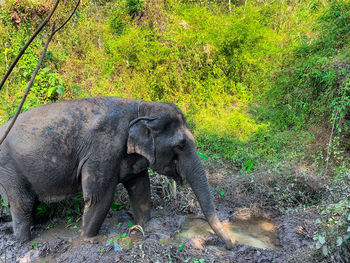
x=237, y=198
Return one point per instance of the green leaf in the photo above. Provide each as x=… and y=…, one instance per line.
x=116, y=206
x=182, y=247
x=222, y=192
x=129, y=224
x=77, y=197
x=51, y=91
x=45, y=70
x=339, y=241
x=76, y=207
x=325, y=250
x=318, y=245
x=249, y=165
x=201, y=155
x=60, y=90
x=321, y=239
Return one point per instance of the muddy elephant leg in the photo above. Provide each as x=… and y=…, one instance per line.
x=98, y=195
x=140, y=197
x=22, y=211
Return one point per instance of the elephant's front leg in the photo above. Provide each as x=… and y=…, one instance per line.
x=98, y=190
x=140, y=197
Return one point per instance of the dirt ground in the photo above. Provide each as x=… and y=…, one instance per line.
x=236, y=198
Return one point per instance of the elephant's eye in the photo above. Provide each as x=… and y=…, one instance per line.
x=180, y=146
x=148, y=132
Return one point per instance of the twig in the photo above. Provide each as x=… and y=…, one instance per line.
x=40, y=27
x=70, y=16
x=173, y=188
x=53, y=31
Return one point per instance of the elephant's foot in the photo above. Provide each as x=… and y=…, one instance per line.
x=22, y=232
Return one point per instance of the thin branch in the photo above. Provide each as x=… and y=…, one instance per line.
x=40, y=27
x=29, y=85
x=71, y=15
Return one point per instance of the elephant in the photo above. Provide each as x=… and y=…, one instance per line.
x=90, y=145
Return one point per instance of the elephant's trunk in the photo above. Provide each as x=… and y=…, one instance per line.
x=191, y=166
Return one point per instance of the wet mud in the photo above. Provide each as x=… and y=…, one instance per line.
x=175, y=233
x=255, y=232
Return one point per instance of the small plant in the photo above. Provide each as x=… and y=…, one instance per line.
x=247, y=166
x=222, y=193
x=142, y=253
x=134, y=7
x=4, y=206
x=334, y=236
x=44, y=210
x=34, y=245
x=100, y=251
x=116, y=206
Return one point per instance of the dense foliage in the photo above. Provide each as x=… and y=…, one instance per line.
x=260, y=81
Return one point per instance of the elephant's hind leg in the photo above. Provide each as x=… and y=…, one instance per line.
x=140, y=197
x=22, y=203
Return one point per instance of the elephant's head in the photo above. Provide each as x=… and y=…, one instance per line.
x=161, y=135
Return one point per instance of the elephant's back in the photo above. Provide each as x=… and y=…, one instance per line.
x=66, y=118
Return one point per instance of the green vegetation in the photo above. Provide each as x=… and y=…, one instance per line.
x=263, y=84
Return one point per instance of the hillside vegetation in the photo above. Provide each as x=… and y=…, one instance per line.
x=264, y=84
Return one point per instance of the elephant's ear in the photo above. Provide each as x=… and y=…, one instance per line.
x=140, y=138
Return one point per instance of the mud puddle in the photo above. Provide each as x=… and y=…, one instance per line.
x=114, y=237
x=164, y=235
x=255, y=232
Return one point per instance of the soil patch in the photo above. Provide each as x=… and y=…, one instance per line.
x=249, y=213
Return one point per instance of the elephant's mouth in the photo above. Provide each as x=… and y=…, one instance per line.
x=174, y=172
x=177, y=175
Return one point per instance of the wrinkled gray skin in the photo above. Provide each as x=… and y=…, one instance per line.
x=90, y=145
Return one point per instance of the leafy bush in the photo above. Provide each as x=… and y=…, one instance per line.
x=334, y=237
x=317, y=74
x=134, y=7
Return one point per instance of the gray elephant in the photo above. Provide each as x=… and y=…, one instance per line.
x=90, y=145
